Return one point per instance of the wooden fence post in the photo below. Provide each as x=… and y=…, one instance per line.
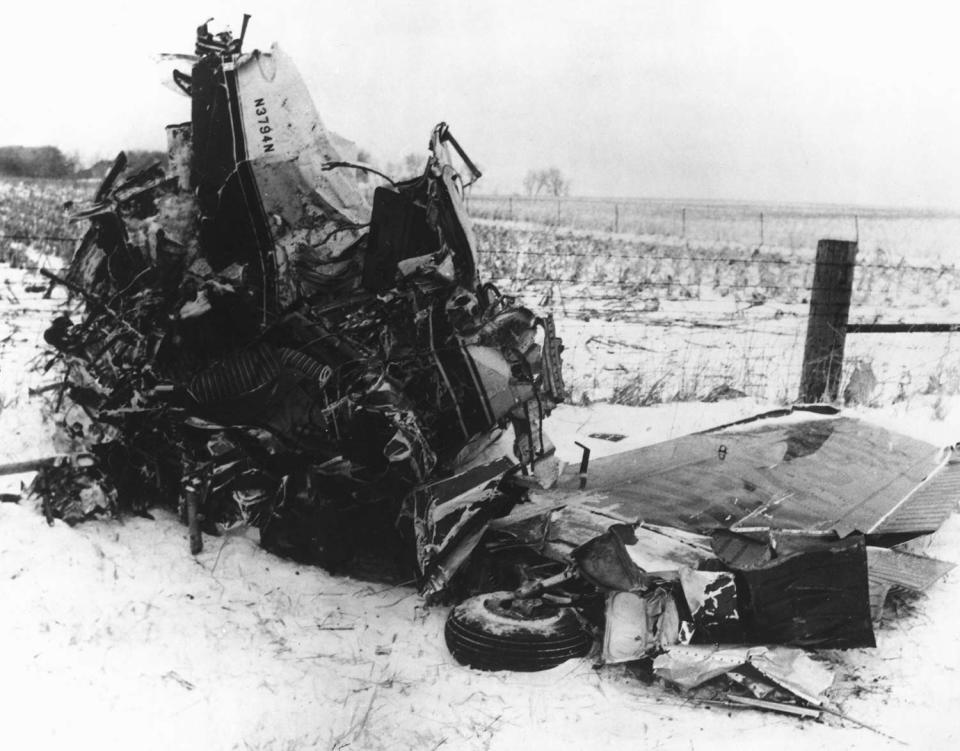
x=827, y=324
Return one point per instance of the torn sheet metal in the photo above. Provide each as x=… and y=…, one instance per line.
x=659, y=549
x=740, y=551
x=824, y=474
x=700, y=605
x=636, y=624
x=886, y=567
x=889, y=568
x=812, y=593
x=802, y=591
x=711, y=598
x=605, y=562
x=901, y=569
x=689, y=666
x=794, y=671
x=557, y=531
x=753, y=681
x=259, y=148
x=450, y=516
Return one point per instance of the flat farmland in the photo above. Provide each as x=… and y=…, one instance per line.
x=927, y=235
x=35, y=215
x=651, y=316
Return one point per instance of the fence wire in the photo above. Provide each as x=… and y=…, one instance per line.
x=648, y=322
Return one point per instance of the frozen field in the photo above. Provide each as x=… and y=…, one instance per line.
x=654, y=319
x=113, y=636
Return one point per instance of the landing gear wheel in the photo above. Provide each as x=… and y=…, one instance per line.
x=488, y=632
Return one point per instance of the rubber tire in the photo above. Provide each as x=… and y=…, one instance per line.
x=480, y=637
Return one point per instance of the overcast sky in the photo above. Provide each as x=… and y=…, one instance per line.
x=840, y=102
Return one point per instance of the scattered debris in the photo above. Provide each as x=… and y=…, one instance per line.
x=742, y=561
x=261, y=345
x=691, y=666
x=774, y=706
x=635, y=626
x=612, y=437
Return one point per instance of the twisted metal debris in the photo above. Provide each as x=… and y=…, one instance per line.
x=259, y=345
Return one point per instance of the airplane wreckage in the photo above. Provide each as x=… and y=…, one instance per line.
x=261, y=346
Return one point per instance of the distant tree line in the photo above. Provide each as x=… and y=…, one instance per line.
x=34, y=161
x=51, y=162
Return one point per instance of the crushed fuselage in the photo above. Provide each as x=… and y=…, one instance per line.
x=261, y=344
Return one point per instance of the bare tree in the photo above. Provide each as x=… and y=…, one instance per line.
x=555, y=183
x=531, y=183
x=34, y=161
x=550, y=181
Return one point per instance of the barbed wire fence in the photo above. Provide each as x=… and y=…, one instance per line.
x=646, y=321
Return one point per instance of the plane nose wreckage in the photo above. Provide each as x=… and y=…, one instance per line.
x=262, y=345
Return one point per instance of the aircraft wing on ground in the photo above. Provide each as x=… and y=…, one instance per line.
x=790, y=471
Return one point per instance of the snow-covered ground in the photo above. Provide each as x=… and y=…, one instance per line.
x=112, y=636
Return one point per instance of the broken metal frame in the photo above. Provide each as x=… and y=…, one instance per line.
x=290, y=358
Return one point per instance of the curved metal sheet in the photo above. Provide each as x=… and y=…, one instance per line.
x=821, y=475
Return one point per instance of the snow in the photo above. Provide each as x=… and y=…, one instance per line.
x=113, y=636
